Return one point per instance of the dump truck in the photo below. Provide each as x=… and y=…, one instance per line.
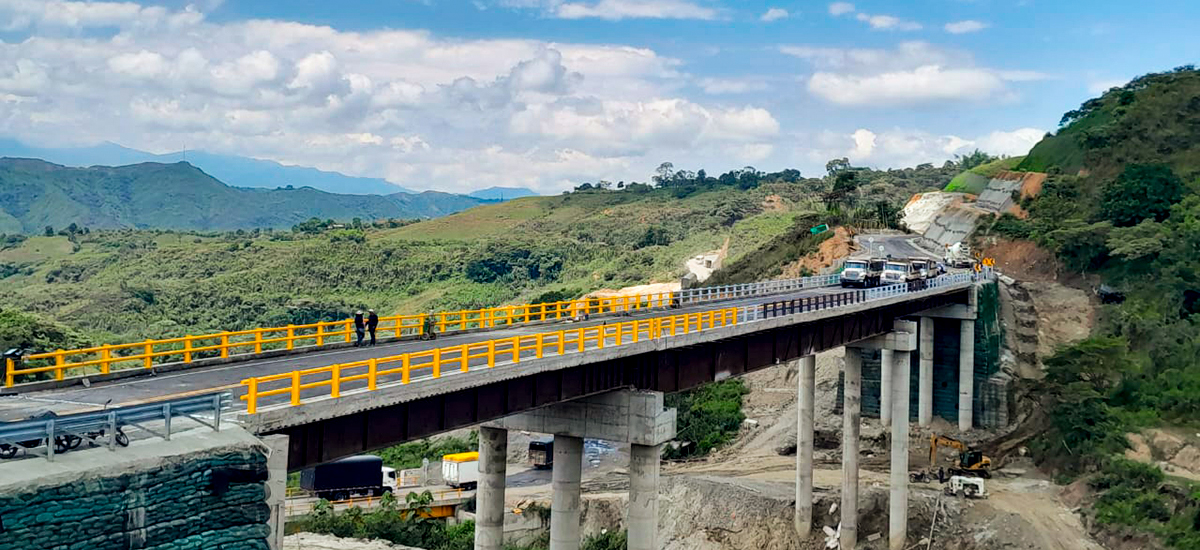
x=461, y=470
x=898, y=271
x=862, y=272
x=541, y=453
x=363, y=475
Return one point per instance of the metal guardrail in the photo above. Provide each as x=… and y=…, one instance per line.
x=107, y=358
x=59, y=434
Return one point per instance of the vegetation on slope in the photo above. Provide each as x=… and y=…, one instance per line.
x=35, y=194
x=974, y=180
x=1123, y=205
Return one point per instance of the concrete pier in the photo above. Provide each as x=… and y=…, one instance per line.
x=489, y=506
x=277, y=487
x=898, y=503
x=642, y=520
x=925, y=376
x=804, y=445
x=885, y=387
x=566, y=502
x=851, y=417
x=966, y=374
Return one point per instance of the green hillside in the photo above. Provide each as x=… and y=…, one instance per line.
x=1154, y=118
x=975, y=180
x=35, y=194
x=1121, y=208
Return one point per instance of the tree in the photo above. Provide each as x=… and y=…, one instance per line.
x=663, y=174
x=1142, y=191
x=973, y=159
x=837, y=165
x=49, y=231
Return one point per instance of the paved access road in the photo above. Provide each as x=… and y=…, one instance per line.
x=228, y=377
x=898, y=246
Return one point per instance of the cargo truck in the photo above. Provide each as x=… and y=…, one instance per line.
x=461, y=470
x=862, y=272
x=363, y=475
x=541, y=453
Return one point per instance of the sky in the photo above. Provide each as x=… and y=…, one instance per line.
x=457, y=95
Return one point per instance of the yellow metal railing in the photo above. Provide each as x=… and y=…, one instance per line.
x=297, y=507
x=107, y=358
x=371, y=373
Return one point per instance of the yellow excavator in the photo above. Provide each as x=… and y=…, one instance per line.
x=970, y=463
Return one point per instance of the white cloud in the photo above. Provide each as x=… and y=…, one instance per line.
x=720, y=86
x=616, y=10
x=899, y=147
x=912, y=73
x=888, y=22
x=840, y=8
x=22, y=14
x=964, y=27
x=774, y=14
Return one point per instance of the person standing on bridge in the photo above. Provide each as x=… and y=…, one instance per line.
x=358, y=327
x=372, y=324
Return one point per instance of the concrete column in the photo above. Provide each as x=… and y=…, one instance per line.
x=925, y=390
x=489, y=501
x=851, y=417
x=804, y=446
x=276, y=488
x=643, y=496
x=566, y=501
x=898, y=505
x=885, y=387
x=966, y=373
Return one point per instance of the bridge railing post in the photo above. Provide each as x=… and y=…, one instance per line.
x=295, y=388
x=251, y=407
x=187, y=348
x=373, y=373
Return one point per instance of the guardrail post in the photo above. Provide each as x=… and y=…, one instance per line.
x=60, y=359
x=541, y=341
x=167, y=421
x=217, y=412
x=372, y=373
x=562, y=342
x=437, y=363
x=295, y=388
x=405, y=368
x=465, y=358
x=349, y=329
x=187, y=349
x=291, y=336
x=320, y=334
x=105, y=359
x=602, y=333
x=225, y=345
x=148, y=358
x=9, y=376
x=636, y=327
x=112, y=429
x=619, y=328
x=50, y=440
x=516, y=349
x=491, y=353
x=335, y=381
x=258, y=340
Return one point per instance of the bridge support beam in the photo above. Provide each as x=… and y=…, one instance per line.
x=851, y=419
x=642, y=520
x=566, y=504
x=489, y=509
x=898, y=504
x=966, y=374
x=886, y=372
x=925, y=377
x=627, y=416
x=804, y=446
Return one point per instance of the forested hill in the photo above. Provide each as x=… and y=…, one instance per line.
x=35, y=194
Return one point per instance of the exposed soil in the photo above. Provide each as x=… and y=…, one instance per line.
x=840, y=245
x=311, y=541
x=1023, y=260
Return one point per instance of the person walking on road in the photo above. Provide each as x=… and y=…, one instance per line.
x=359, y=327
x=372, y=324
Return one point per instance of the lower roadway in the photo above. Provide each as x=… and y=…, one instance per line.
x=228, y=377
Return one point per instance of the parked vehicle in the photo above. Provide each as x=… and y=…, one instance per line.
x=969, y=487
x=62, y=443
x=922, y=269
x=959, y=255
x=461, y=470
x=862, y=272
x=541, y=453
x=363, y=475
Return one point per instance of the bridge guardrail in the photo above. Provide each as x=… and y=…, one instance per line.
x=494, y=352
x=68, y=431
x=335, y=376
x=186, y=349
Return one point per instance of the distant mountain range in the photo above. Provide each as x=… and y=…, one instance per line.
x=35, y=194
x=233, y=170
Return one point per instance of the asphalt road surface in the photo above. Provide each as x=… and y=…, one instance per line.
x=898, y=246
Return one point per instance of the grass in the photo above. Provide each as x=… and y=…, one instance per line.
x=969, y=181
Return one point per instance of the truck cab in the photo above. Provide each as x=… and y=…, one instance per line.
x=363, y=475
x=541, y=453
x=895, y=272
x=921, y=270
x=861, y=272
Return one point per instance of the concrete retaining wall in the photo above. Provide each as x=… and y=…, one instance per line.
x=194, y=492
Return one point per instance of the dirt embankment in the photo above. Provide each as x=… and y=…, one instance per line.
x=839, y=246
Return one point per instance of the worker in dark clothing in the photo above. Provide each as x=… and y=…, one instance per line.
x=941, y=475
x=359, y=327
x=372, y=324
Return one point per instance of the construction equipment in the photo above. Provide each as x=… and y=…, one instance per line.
x=963, y=486
x=970, y=463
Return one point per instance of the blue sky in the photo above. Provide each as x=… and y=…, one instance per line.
x=465, y=94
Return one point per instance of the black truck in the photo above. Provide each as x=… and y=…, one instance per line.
x=363, y=475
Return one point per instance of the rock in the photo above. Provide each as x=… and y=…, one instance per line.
x=1187, y=458
x=1138, y=449
x=788, y=446
x=1165, y=443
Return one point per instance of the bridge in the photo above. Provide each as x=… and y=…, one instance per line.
x=527, y=369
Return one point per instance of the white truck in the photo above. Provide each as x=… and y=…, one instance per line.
x=862, y=272
x=461, y=470
x=959, y=255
